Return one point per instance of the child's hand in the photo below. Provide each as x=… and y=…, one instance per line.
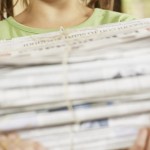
x=143, y=140
x=13, y=142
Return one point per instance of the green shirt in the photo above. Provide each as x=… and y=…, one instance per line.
x=9, y=28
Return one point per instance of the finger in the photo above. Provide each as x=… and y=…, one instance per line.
x=141, y=141
x=16, y=141
x=2, y=137
x=3, y=142
x=13, y=136
x=27, y=145
x=148, y=141
x=33, y=146
x=38, y=146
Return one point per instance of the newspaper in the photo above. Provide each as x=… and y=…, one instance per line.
x=90, y=86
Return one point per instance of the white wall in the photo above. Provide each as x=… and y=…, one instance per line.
x=137, y=8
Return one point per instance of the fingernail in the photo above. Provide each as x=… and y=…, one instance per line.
x=142, y=138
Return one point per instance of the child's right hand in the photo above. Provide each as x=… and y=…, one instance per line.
x=13, y=142
x=143, y=140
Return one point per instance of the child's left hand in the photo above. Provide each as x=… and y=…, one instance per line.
x=13, y=142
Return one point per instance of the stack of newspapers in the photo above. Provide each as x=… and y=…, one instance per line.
x=77, y=89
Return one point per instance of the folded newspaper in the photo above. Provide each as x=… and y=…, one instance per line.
x=77, y=89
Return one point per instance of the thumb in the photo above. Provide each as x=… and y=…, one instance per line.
x=141, y=141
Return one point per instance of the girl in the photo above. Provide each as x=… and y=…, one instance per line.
x=48, y=15
x=41, y=16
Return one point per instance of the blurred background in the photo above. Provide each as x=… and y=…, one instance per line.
x=136, y=8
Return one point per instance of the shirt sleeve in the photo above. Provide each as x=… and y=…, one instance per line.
x=114, y=17
x=126, y=17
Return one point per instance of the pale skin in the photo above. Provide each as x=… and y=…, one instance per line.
x=48, y=14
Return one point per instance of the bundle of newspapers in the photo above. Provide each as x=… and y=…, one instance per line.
x=79, y=89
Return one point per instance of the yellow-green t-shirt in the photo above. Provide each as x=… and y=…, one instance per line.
x=9, y=28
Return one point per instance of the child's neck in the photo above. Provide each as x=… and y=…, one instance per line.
x=54, y=13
